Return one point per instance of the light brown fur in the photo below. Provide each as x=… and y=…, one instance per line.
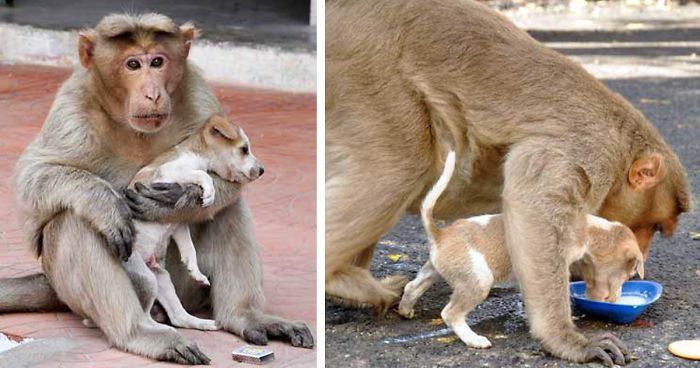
x=537, y=137
x=106, y=123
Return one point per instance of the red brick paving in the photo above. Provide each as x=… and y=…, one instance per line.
x=282, y=129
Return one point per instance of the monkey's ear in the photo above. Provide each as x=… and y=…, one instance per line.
x=189, y=33
x=646, y=172
x=218, y=126
x=86, y=47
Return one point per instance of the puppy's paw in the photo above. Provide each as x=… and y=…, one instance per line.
x=207, y=325
x=207, y=199
x=478, y=342
x=201, y=279
x=406, y=313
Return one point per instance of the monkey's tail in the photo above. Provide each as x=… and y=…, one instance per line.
x=31, y=293
x=433, y=195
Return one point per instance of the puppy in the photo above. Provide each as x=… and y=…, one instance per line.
x=471, y=255
x=221, y=147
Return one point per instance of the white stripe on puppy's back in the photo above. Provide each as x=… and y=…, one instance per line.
x=434, y=194
x=482, y=220
x=480, y=268
x=599, y=222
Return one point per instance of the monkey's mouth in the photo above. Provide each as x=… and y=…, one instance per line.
x=151, y=117
x=148, y=122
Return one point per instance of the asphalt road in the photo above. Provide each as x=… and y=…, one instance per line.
x=356, y=338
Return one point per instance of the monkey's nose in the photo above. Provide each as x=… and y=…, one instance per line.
x=262, y=170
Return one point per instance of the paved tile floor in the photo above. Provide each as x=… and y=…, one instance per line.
x=282, y=128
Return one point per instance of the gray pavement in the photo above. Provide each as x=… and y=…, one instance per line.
x=278, y=23
x=356, y=338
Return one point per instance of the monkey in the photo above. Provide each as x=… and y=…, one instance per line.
x=133, y=97
x=538, y=139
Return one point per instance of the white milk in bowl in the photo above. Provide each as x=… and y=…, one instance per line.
x=631, y=300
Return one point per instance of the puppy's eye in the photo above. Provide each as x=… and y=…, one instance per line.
x=244, y=150
x=133, y=64
x=157, y=62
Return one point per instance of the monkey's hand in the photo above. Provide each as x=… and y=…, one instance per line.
x=608, y=349
x=117, y=226
x=161, y=200
x=174, y=202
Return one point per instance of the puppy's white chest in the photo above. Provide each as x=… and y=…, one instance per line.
x=152, y=238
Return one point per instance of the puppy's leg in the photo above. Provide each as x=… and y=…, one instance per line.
x=179, y=317
x=464, y=298
x=146, y=286
x=427, y=276
x=183, y=239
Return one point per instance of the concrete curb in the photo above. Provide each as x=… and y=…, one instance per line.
x=263, y=67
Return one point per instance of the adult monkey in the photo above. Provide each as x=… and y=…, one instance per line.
x=135, y=97
x=536, y=137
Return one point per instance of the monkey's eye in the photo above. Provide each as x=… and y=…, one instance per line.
x=133, y=64
x=244, y=150
x=157, y=62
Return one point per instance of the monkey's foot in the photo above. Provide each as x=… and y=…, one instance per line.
x=185, y=353
x=393, y=288
x=608, y=349
x=297, y=333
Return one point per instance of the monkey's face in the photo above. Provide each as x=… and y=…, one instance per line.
x=605, y=272
x=646, y=207
x=149, y=78
x=233, y=157
x=137, y=67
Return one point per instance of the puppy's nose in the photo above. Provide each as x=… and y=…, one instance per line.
x=262, y=170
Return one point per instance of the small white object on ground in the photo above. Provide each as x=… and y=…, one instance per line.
x=253, y=355
x=688, y=349
x=6, y=343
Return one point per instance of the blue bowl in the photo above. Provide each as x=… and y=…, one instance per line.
x=649, y=291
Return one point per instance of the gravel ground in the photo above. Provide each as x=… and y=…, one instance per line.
x=356, y=338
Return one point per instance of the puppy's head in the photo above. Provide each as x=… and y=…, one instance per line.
x=230, y=151
x=613, y=256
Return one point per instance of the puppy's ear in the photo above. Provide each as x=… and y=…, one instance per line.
x=640, y=268
x=219, y=127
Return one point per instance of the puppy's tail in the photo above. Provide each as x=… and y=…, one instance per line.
x=433, y=195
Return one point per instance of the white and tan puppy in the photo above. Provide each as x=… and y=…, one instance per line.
x=471, y=255
x=222, y=148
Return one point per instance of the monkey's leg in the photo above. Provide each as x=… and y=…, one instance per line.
x=355, y=219
x=229, y=253
x=464, y=298
x=188, y=255
x=364, y=259
x=544, y=222
x=176, y=312
x=426, y=278
x=94, y=284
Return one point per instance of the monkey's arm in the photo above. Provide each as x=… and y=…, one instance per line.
x=544, y=201
x=174, y=202
x=46, y=189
